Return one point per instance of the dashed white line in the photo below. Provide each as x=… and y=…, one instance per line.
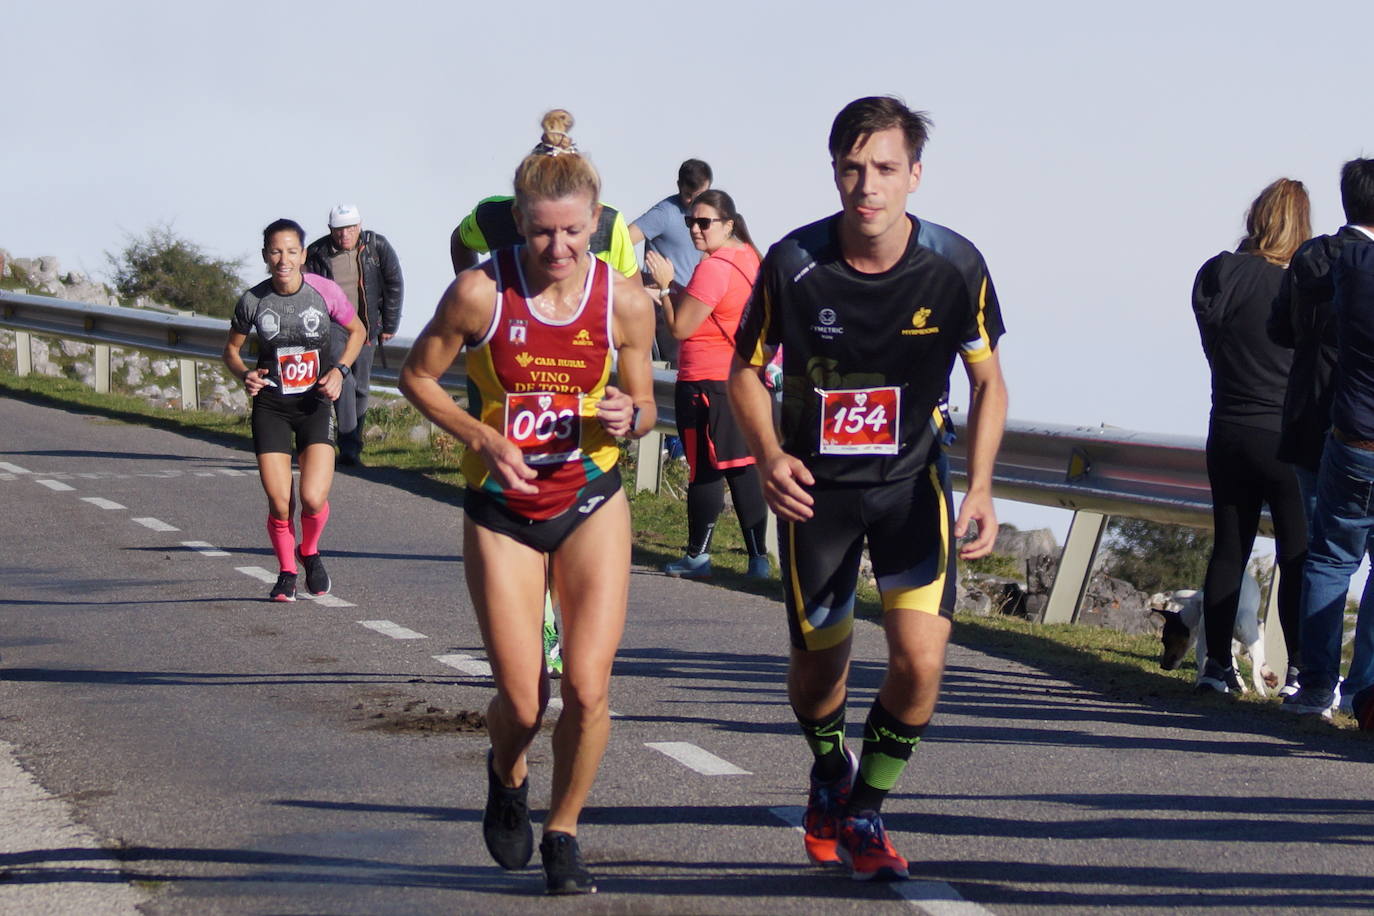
x=13, y=468
x=205, y=548
x=695, y=758
x=55, y=485
x=933, y=897
x=157, y=524
x=466, y=664
x=205, y=473
x=101, y=502
x=231, y=472
x=328, y=600
x=394, y=630
x=257, y=572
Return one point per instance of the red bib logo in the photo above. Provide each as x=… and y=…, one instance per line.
x=546, y=425
x=299, y=369
x=860, y=421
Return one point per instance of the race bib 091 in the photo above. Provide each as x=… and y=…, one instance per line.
x=298, y=369
x=860, y=421
x=546, y=425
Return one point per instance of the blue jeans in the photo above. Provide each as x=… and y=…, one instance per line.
x=1341, y=528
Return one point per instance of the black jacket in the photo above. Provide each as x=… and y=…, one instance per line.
x=379, y=275
x=1232, y=296
x=1301, y=320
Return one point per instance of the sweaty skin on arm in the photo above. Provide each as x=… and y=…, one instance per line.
x=464, y=312
x=633, y=326
x=987, y=418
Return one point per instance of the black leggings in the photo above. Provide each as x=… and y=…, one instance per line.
x=1245, y=475
x=706, y=497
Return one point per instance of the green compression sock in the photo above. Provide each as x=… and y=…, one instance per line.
x=888, y=745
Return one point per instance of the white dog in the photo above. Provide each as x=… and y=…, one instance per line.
x=1182, y=615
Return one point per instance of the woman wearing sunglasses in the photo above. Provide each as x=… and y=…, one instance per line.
x=705, y=317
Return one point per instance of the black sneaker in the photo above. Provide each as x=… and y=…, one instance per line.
x=316, y=576
x=506, y=823
x=1221, y=679
x=564, y=872
x=285, y=589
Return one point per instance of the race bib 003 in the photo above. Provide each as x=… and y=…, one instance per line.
x=546, y=425
x=298, y=369
x=860, y=421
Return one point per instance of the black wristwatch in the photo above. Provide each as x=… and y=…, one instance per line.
x=344, y=369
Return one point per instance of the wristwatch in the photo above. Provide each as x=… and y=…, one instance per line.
x=345, y=370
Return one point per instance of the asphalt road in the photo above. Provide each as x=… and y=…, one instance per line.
x=224, y=754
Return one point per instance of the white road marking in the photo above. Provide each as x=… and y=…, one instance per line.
x=466, y=664
x=205, y=473
x=936, y=898
x=329, y=600
x=56, y=486
x=394, y=630
x=205, y=548
x=13, y=468
x=101, y=502
x=156, y=524
x=231, y=472
x=257, y=572
x=933, y=897
x=695, y=758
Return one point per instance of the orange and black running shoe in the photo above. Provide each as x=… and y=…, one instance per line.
x=862, y=845
x=824, y=805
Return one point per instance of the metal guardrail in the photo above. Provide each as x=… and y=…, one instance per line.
x=1095, y=472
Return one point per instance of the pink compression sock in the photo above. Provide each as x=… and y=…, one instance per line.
x=282, y=534
x=312, y=526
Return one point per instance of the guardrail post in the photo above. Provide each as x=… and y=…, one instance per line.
x=23, y=353
x=1075, y=566
x=649, y=461
x=102, y=368
x=190, y=385
x=1275, y=649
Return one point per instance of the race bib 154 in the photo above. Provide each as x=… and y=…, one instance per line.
x=860, y=421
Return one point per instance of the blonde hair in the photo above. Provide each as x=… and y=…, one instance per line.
x=1278, y=222
x=555, y=169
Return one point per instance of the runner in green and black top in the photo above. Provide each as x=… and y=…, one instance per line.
x=870, y=307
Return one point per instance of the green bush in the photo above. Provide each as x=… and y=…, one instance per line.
x=173, y=271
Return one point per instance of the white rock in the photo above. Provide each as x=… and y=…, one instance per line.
x=75, y=347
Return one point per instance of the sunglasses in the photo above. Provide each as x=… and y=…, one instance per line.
x=701, y=222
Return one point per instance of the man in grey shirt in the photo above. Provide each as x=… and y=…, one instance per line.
x=662, y=229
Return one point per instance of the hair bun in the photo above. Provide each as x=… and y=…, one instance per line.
x=556, y=125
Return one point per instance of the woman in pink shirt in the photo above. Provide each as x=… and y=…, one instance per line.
x=705, y=317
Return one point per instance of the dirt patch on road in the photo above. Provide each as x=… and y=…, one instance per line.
x=404, y=714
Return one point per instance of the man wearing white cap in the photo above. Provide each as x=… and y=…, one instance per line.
x=364, y=264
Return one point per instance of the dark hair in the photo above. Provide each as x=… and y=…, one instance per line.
x=282, y=225
x=724, y=204
x=693, y=173
x=864, y=117
x=1357, y=192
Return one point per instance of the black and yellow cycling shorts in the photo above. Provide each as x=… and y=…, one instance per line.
x=909, y=527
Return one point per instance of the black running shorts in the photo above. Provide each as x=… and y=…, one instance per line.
x=909, y=528
x=289, y=424
x=710, y=436
x=542, y=535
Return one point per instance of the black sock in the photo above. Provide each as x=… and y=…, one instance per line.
x=826, y=738
x=888, y=745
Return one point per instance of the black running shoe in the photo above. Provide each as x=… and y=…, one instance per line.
x=316, y=576
x=285, y=589
x=506, y=823
x=564, y=872
x=1222, y=679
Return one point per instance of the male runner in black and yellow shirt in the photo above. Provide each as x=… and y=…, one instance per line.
x=870, y=306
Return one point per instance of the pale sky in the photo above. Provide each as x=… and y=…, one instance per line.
x=1096, y=153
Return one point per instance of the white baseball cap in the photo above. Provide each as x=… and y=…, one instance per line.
x=344, y=215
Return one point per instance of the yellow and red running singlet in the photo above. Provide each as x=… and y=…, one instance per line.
x=538, y=383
